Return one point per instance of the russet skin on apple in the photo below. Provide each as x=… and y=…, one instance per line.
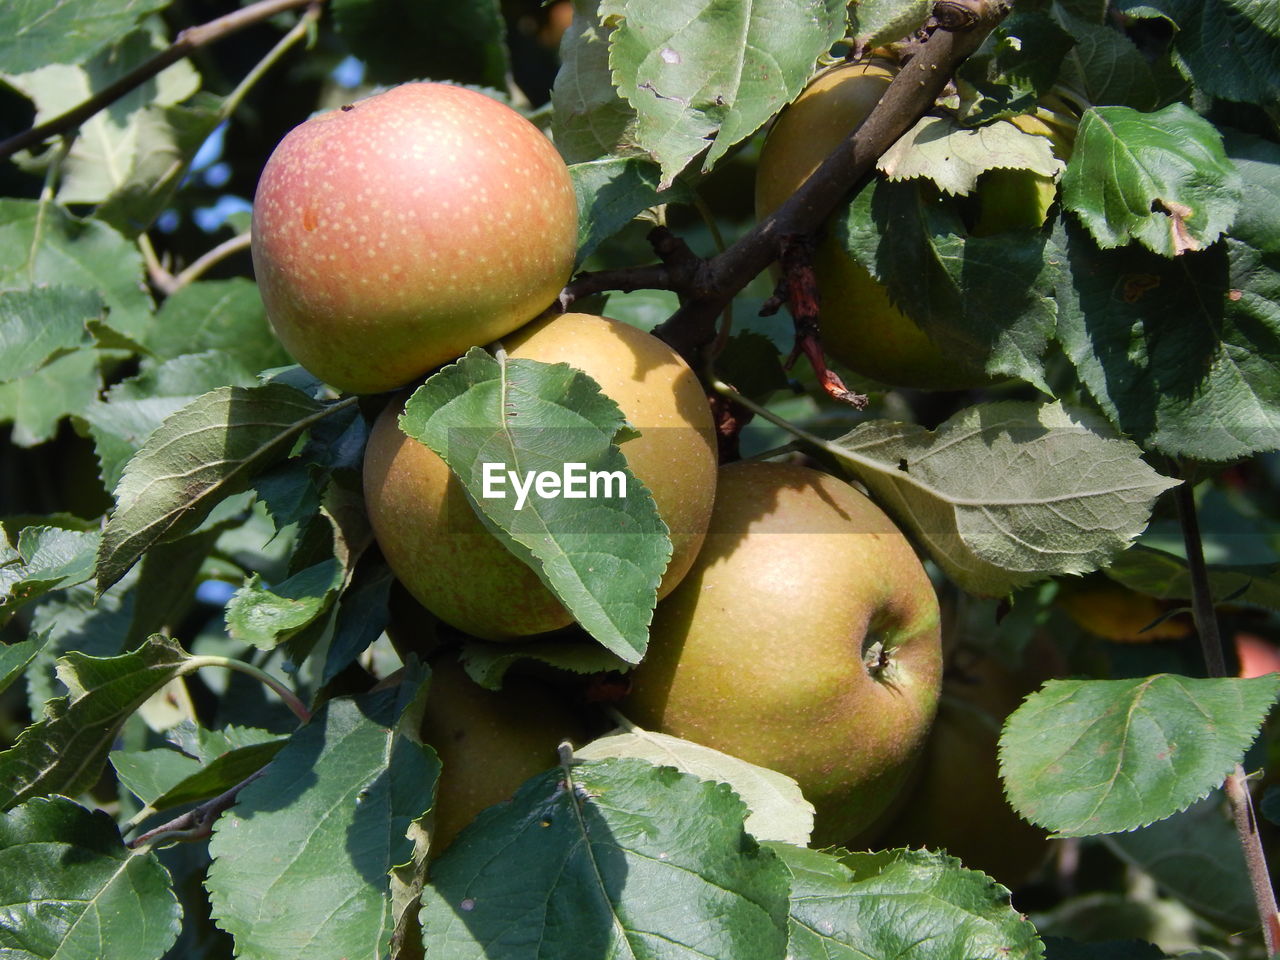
x=392, y=235
x=762, y=651
x=440, y=550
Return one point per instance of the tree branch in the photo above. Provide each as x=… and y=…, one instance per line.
x=197, y=822
x=711, y=284
x=186, y=43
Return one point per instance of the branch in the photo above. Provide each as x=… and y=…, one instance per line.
x=197, y=822
x=962, y=27
x=186, y=43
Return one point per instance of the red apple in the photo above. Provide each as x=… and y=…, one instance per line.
x=393, y=234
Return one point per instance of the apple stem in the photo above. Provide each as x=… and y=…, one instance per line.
x=1236, y=785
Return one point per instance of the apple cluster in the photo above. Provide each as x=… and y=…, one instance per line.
x=795, y=628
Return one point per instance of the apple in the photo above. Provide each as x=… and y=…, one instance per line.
x=805, y=639
x=489, y=742
x=439, y=549
x=858, y=324
x=1114, y=612
x=397, y=232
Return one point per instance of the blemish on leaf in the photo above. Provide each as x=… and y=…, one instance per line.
x=1234, y=295
x=468, y=904
x=669, y=56
x=1137, y=284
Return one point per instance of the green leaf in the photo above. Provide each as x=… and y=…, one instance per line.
x=300, y=864
x=168, y=138
x=608, y=858
x=206, y=451
x=1162, y=179
x=439, y=39
x=222, y=315
x=40, y=323
x=36, y=32
x=1195, y=855
x=107, y=145
x=1166, y=577
x=874, y=22
x=988, y=300
x=899, y=903
x=1258, y=162
x=1228, y=48
x=778, y=811
x=64, y=752
x=953, y=157
x=73, y=891
x=1178, y=354
x=1107, y=68
x=15, y=657
x=266, y=616
x=164, y=778
x=42, y=243
x=589, y=119
x=705, y=71
x=135, y=407
x=602, y=556
x=1085, y=757
x=46, y=558
x=1005, y=494
x=1020, y=62
x=611, y=192
x=36, y=403
x=487, y=663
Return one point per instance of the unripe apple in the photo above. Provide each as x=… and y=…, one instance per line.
x=489, y=742
x=397, y=232
x=859, y=325
x=805, y=639
x=453, y=566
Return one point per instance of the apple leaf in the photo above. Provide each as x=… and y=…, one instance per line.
x=1166, y=577
x=953, y=157
x=45, y=558
x=1258, y=161
x=107, y=145
x=1010, y=72
x=73, y=891
x=15, y=657
x=589, y=119
x=611, y=192
x=487, y=663
x=1162, y=179
x=301, y=863
x=1177, y=353
x=64, y=752
x=778, y=810
x=610, y=858
x=1006, y=494
x=265, y=616
x=40, y=323
x=874, y=22
x=1086, y=757
x=1196, y=856
x=42, y=243
x=602, y=556
x=222, y=315
x=988, y=300
x=37, y=403
x=704, y=71
x=898, y=903
x=203, y=453
x=136, y=406
x=207, y=764
x=36, y=32
x=1229, y=48
x=1107, y=67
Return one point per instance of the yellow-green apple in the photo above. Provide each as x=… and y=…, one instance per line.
x=805, y=639
x=859, y=324
x=440, y=550
x=489, y=742
x=393, y=234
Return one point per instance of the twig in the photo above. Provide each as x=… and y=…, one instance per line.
x=208, y=259
x=197, y=822
x=186, y=43
x=1235, y=786
x=710, y=284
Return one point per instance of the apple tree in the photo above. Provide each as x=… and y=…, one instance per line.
x=1005, y=272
